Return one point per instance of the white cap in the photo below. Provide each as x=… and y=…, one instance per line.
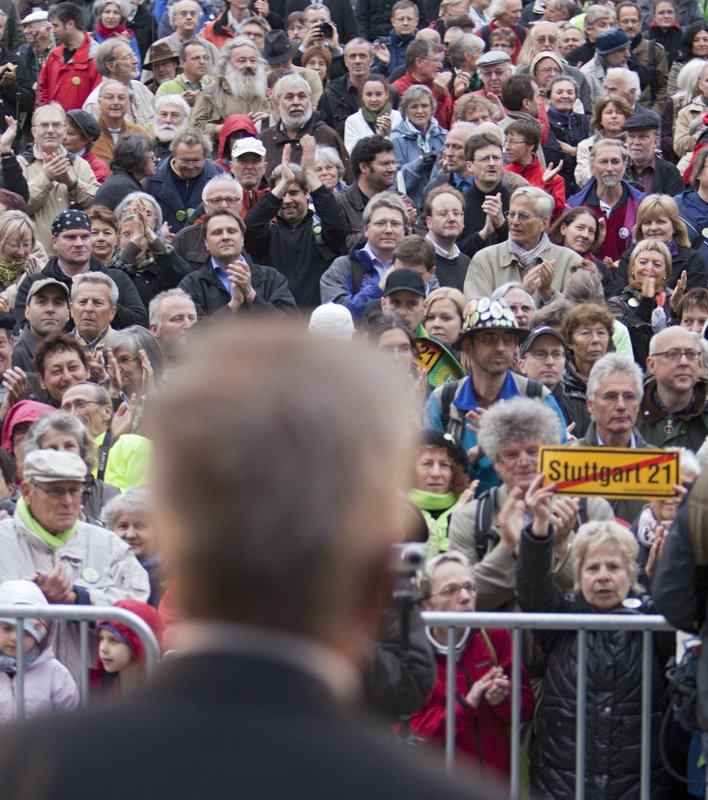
x=334, y=320
x=37, y=15
x=248, y=144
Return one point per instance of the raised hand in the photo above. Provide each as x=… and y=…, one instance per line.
x=552, y=171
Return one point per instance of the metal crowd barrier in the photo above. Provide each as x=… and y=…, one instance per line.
x=83, y=615
x=581, y=623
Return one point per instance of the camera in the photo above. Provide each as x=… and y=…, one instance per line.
x=326, y=29
x=383, y=40
x=407, y=560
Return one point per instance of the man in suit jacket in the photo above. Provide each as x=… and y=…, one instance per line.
x=279, y=463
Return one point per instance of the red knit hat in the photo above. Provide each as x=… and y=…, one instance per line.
x=145, y=612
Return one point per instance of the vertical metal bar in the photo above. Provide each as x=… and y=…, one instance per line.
x=20, y=674
x=516, y=714
x=84, y=650
x=647, y=666
x=450, y=699
x=581, y=710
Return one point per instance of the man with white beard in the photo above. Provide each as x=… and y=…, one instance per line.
x=293, y=97
x=239, y=87
x=171, y=117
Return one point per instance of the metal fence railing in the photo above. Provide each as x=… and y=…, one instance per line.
x=516, y=623
x=83, y=616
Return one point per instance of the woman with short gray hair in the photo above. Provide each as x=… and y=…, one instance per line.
x=417, y=140
x=329, y=168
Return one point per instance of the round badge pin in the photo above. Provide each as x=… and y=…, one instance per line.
x=76, y=80
x=632, y=602
x=633, y=302
x=90, y=575
x=624, y=233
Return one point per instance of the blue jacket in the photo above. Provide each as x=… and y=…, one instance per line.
x=465, y=400
x=163, y=186
x=351, y=281
x=694, y=212
x=397, y=49
x=409, y=157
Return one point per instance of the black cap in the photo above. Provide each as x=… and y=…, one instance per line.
x=278, y=48
x=85, y=123
x=645, y=120
x=432, y=437
x=404, y=280
x=541, y=330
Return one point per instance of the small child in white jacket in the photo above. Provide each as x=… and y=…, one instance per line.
x=48, y=685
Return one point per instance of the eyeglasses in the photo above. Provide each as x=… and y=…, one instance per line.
x=514, y=142
x=123, y=361
x=513, y=457
x=223, y=201
x=492, y=337
x=454, y=589
x=79, y=405
x=542, y=355
x=57, y=493
x=674, y=354
x=522, y=216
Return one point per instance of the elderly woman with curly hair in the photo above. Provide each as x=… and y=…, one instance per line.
x=417, y=141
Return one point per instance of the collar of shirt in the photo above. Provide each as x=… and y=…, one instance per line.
x=466, y=400
x=312, y=657
x=379, y=266
x=593, y=200
x=463, y=184
x=441, y=251
x=221, y=275
x=632, y=441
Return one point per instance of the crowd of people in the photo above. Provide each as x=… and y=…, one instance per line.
x=508, y=202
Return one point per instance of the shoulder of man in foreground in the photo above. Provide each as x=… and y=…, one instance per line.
x=277, y=733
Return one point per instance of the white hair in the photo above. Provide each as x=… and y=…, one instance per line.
x=173, y=100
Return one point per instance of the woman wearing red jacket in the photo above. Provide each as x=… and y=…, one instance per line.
x=483, y=686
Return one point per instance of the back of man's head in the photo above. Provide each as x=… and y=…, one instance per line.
x=278, y=491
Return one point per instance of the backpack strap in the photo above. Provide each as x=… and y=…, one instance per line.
x=446, y=397
x=483, y=533
x=357, y=275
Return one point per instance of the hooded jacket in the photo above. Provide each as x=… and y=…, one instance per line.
x=48, y=685
x=68, y=83
x=232, y=123
x=409, y=155
x=24, y=411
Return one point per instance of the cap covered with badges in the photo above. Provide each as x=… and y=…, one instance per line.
x=71, y=220
x=491, y=315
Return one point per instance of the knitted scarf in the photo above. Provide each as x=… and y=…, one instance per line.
x=10, y=271
x=427, y=501
x=528, y=257
x=371, y=117
x=107, y=33
x=55, y=541
x=422, y=139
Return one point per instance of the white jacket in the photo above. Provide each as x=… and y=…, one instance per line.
x=357, y=128
x=96, y=559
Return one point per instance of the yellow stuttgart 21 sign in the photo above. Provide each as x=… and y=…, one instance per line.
x=610, y=472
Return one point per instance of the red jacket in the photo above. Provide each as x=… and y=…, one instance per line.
x=533, y=173
x=444, y=114
x=491, y=723
x=100, y=169
x=68, y=84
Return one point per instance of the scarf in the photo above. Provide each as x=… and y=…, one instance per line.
x=427, y=501
x=107, y=33
x=422, y=139
x=10, y=271
x=372, y=116
x=8, y=664
x=528, y=257
x=55, y=541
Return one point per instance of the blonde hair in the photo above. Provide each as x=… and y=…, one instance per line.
x=446, y=293
x=662, y=204
x=650, y=246
x=15, y=223
x=596, y=534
